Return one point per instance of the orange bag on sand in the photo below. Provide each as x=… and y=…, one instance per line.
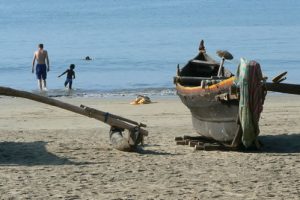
x=140, y=99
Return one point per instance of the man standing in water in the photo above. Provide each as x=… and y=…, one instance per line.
x=42, y=67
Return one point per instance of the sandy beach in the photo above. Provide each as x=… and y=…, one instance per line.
x=50, y=153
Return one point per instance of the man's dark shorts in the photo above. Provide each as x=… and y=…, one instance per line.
x=41, y=71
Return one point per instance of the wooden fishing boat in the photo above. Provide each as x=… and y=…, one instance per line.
x=224, y=107
x=206, y=88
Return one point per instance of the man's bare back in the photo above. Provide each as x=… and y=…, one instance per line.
x=40, y=56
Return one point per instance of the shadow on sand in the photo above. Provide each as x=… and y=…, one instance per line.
x=285, y=143
x=29, y=154
x=151, y=152
x=143, y=151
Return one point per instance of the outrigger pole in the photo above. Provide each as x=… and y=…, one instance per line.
x=118, y=124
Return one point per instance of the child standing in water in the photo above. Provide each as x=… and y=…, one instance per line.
x=70, y=76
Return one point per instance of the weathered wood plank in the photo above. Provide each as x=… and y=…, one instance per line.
x=283, y=88
x=115, y=121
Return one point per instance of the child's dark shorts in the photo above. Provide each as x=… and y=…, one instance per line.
x=68, y=81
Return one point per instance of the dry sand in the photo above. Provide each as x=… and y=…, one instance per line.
x=50, y=153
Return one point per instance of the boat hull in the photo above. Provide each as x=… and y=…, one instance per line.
x=211, y=117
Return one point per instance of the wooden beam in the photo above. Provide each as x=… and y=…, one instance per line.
x=283, y=88
x=114, y=120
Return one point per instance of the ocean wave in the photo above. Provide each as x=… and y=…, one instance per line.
x=112, y=93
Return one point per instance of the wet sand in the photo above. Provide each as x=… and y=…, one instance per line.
x=50, y=153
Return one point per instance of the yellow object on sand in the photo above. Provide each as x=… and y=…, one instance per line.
x=140, y=99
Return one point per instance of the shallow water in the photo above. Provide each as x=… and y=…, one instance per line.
x=136, y=45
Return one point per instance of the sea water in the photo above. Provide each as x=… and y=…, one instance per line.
x=135, y=46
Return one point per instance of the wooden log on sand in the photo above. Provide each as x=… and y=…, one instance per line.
x=136, y=133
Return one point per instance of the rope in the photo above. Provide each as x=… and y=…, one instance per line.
x=106, y=115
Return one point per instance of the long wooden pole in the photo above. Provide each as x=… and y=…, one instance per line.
x=94, y=111
x=112, y=120
x=283, y=88
x=275, y=87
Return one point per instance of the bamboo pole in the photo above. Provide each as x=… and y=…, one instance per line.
x=94, y=111
x=112, y=120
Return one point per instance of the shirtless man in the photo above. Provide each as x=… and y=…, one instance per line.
x=42, y=67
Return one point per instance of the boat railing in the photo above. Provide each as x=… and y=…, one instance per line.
x=198, y=81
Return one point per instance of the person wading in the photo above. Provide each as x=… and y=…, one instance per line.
x=42, y=67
